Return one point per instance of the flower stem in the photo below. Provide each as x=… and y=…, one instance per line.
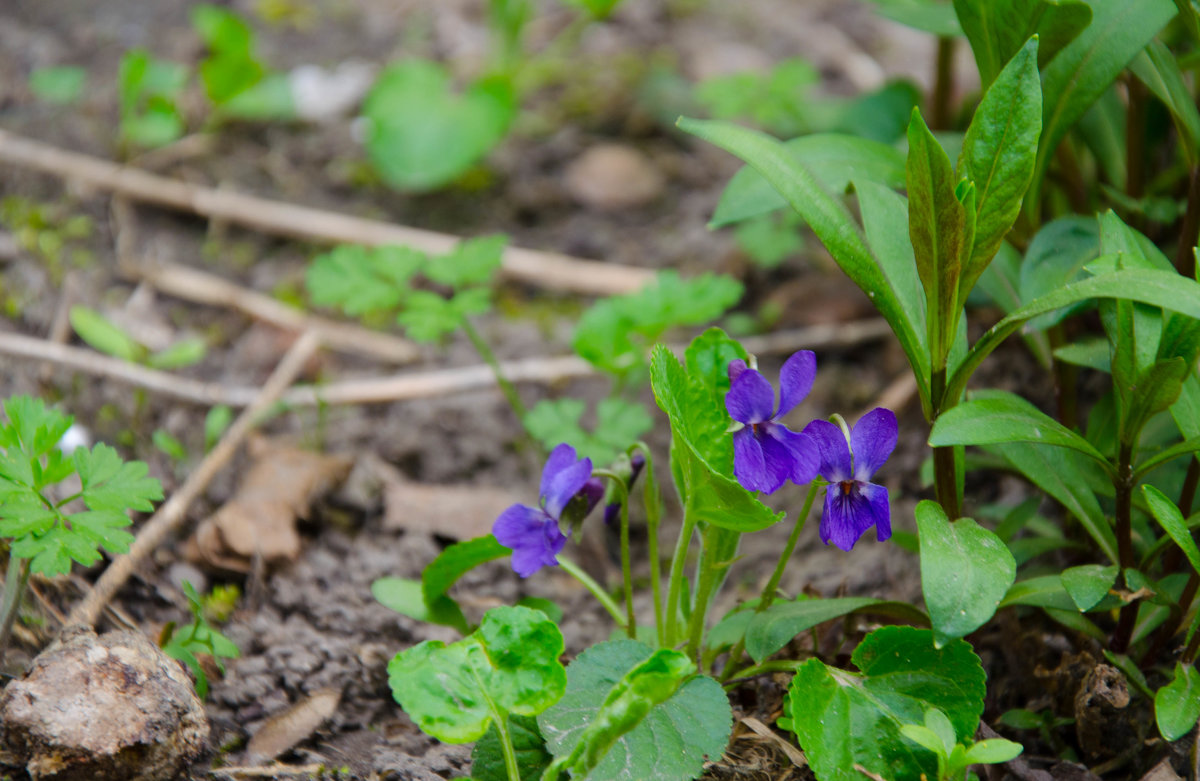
x=768, y=592
x=14, y=589
x=675, y=579
x=652, y=500
x=718, y=549
x=573, y=569
x=622, y=489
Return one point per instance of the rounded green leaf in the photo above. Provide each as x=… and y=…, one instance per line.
x=1089, y=583
x=1177, y=705
x=671, y=743
x=843, y=718
x=509, y=665
x=965, y=571
x=422, y=135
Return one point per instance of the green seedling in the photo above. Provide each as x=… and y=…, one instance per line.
x=50, y=519
x=953, y=758
x=61, y=84
x=183, y=643
x=104, y=335
x=425, y=132
x=235, y=80
x=149, y=90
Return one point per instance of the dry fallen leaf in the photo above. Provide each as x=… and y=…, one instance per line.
x=461, y=512
x=260, y=519
x=284, y=730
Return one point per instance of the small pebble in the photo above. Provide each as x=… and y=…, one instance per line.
x=612, y=177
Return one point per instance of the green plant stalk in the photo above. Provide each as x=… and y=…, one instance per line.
x=1123, y=483
x=653, y=504
x=675, y=578
x=14, y=588
x=500, y=719
x=766, y=668
x=768, y=592
x=945, y=471
x=626, y=567
x=507, y=388
x=573, y=569
x=713, y=566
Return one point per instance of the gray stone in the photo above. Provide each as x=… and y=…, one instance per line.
x=109, y=708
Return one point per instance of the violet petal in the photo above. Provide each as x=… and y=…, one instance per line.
x=877, y=498
x=518, y=525
x=831, y=444
x=796, y=380
x=873, y=439
x=847, y=515
x=560, y=458
x=735, y=369
x=750, y=465
x=564, y=485
x=750, y=398
x=804, y=459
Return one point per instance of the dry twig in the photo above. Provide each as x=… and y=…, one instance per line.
x=201, y=287
x=543, y=269
x=273, y=770
x=171, y=513
x=402, y=387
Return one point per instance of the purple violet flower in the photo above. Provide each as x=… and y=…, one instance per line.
x=767, y=453
x=852, y=503
x=533, y=533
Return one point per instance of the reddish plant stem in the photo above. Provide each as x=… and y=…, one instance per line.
x=945, y=471
x=1065, y=376
x=1185, y=258
x=1124, y=528
x=943, y=85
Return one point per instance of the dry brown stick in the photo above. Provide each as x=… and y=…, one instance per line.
x=171, y=513
x=273, y=770
x=201, y=287
x=401, y=387
x=543, y=269
x=91, y=362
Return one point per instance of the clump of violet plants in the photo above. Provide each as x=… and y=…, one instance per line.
x=730, y=449
x=1031, y=206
